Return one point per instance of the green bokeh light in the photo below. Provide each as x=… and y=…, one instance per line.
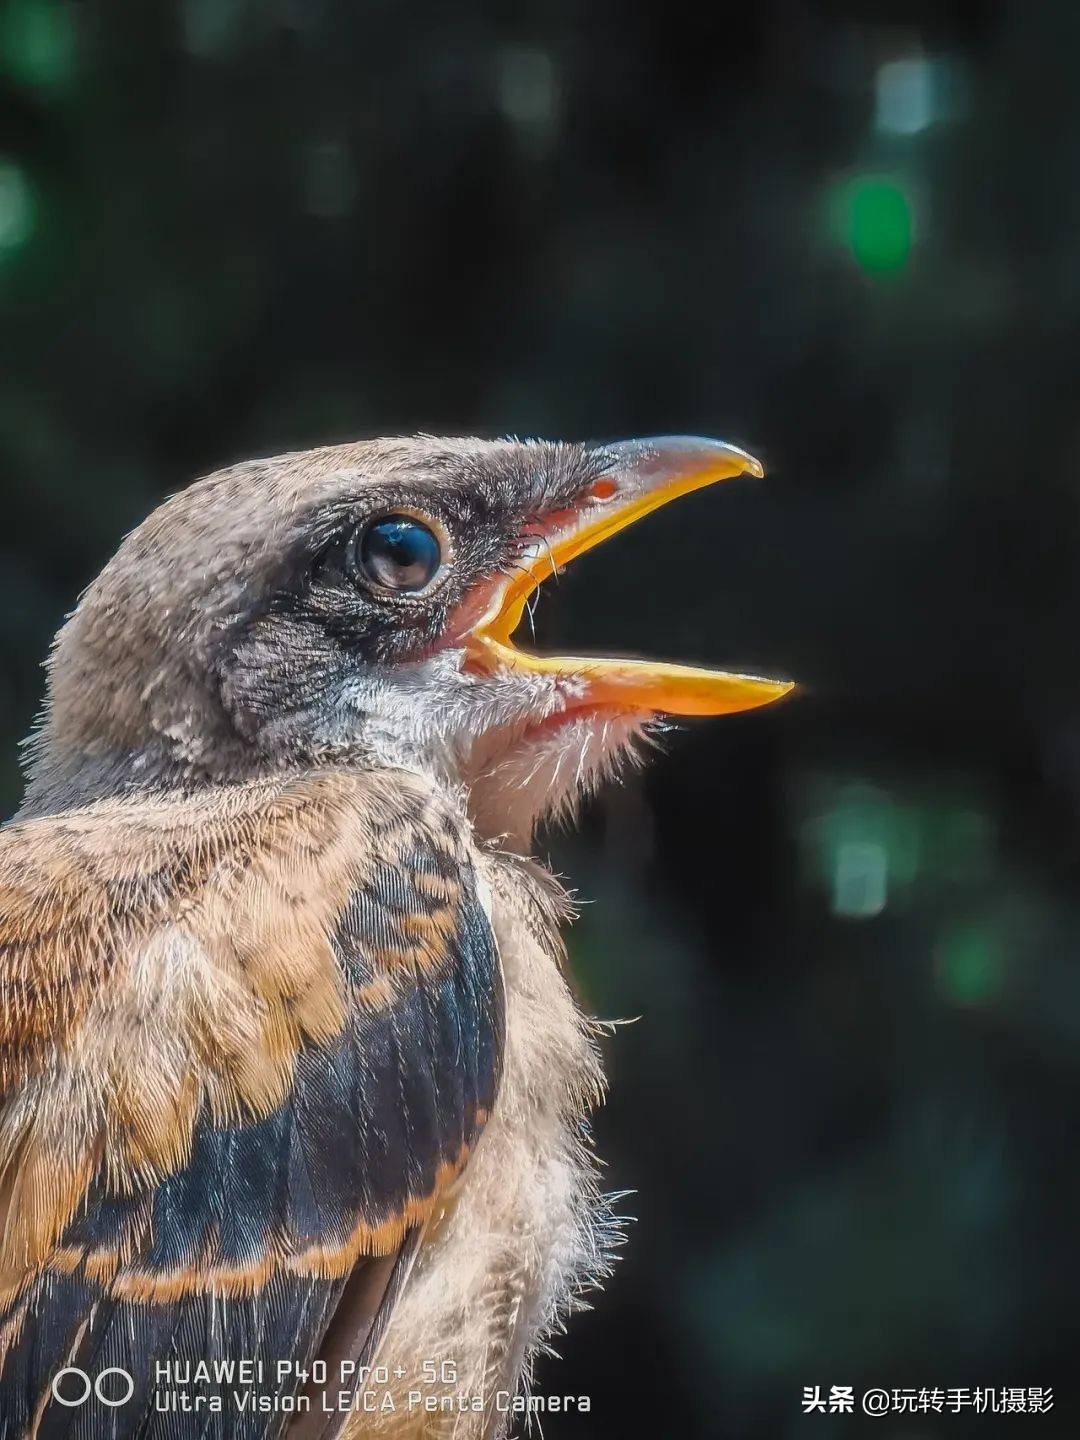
x=873, y=216
x=37, y=43
x=17, y=209
x=971, y=964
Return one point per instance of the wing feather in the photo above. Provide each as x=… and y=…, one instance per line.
x=246, y=1043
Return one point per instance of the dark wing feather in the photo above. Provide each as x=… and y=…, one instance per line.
x=356, y=1327
x=249, y=1043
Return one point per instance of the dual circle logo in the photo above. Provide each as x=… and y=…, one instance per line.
x=112, y=1386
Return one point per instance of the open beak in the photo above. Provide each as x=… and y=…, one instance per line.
x=641, y=475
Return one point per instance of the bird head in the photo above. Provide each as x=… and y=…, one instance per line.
x=357, y=604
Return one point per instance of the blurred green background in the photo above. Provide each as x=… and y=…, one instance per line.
x=844, y=235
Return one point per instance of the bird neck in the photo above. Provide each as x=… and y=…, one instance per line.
x=61, y=778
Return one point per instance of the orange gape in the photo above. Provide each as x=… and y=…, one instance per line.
x=649, y=483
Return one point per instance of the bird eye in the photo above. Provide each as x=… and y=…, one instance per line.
x=397, y=552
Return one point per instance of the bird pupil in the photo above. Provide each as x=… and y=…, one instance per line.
x=400, y=553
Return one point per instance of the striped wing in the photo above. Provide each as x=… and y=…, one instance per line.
x=246, y=1045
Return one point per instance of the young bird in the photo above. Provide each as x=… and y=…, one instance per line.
x=289, y=1070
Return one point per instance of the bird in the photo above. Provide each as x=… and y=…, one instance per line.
x=294, y=1086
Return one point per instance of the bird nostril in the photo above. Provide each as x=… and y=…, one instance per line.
x=603, y=490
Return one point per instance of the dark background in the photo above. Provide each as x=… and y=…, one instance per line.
x=845, y=235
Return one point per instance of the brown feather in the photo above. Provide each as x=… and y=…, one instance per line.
x=168, y=956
